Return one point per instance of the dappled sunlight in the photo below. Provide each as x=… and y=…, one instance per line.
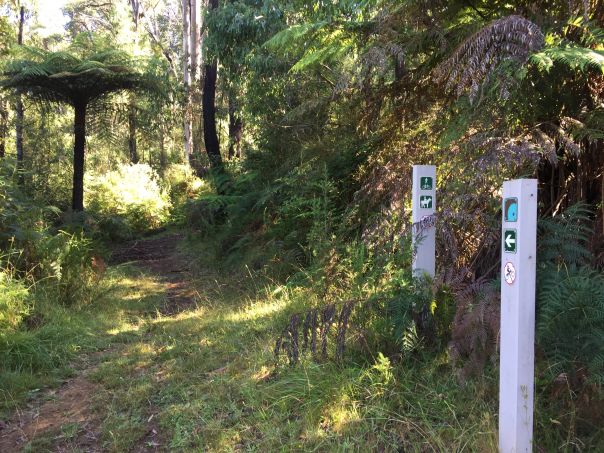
x=257, y=310
x=262, y=374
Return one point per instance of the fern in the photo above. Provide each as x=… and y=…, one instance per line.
x=563, y=238
x=509, y=38
x=570, y=296
x=570, y=324
x=574, y=57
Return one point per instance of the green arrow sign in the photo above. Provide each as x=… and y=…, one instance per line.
x=425, y=183
x=509, y=241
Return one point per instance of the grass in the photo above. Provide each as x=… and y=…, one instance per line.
x=204, y=380
x=44, y=356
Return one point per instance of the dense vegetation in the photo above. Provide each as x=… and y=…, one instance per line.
x=279, y=136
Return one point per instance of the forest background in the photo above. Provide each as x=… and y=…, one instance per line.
x=279, y=136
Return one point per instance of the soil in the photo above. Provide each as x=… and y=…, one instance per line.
x=57, y=413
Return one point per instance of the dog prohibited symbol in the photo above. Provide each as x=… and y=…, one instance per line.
x=509, y=273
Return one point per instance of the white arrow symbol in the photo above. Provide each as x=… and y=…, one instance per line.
x=509, y=241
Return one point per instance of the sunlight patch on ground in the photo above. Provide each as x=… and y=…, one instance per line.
x=256, y=310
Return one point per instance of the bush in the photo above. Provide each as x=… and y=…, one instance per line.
x=131, y=192
x=66, y=266
x=14, y=302
x=182, y=183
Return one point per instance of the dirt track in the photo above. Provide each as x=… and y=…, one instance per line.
x=70, y=405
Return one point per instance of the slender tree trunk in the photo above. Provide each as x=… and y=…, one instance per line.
x=3, y=126
x=132, y=131
x=235, y=128
x=79, y=131
x=194, y=99
x=163, y=158
x=210, y=134
x=136, y=15
x=19, y=106
x=186, y=29
x=194, y=39
x=399, y=68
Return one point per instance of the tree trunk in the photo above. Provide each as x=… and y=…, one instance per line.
x=194, y=39
x=79, y=132
x=19, y=106
x=195, y=89
x=132, y=132
x=163, y=158
x=186, y=16
x=136, y=15
x=399, y=68
x=210, y=134
x=3, y=126
x=235, y=129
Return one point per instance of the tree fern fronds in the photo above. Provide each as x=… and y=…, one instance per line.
x=509, y=38
x=570, y=321
x=290, y=38
x=563, y=238
x=574, y=57
x=475, y=329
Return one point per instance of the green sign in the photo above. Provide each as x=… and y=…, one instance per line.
x=509, y=241
x=425, y=202
x=510, y=209
x=425, y=183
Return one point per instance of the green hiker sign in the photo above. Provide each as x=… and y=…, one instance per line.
x=425, y=183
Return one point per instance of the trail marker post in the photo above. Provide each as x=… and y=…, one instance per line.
x=517, y=358
x=423, y=208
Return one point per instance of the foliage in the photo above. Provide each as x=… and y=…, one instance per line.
x=69, y=78
x=570, y=305
x=132, y=193
x=65, y=263
x=570, y=325
x=512, y=37
x=338, y=100
x=14, y=303
x=182, y=183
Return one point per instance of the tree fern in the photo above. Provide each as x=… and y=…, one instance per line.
x=509, y=38
x=572, y=56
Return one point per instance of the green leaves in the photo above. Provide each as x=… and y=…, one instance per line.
x=570, y=325
x=574, y=57
x=69, y=77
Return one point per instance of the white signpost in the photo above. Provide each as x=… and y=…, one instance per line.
x=517, y=360
x=423, y=208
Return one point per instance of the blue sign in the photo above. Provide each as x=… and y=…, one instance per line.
x=510, y=209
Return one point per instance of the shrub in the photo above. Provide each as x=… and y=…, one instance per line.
x=14, y=302
x=182, y=183
x=132, y=192
x=66, y=266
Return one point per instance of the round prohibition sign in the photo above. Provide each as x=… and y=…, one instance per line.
x=509, y=273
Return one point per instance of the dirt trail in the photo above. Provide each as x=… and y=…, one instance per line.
x=60, y=411
x=160, y=257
